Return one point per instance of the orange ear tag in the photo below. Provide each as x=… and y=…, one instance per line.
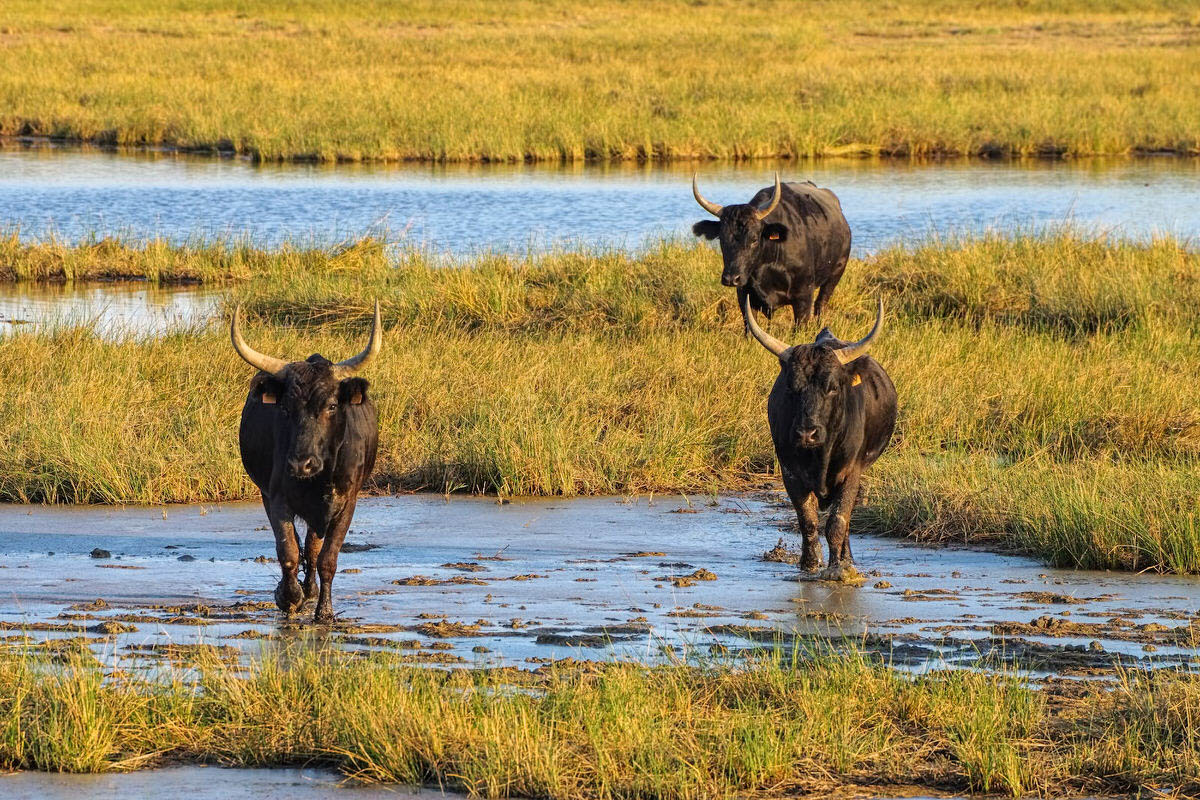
x=269, y=399
x=857, y=380
x=774, y=237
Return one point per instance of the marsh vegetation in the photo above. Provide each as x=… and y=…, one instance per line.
x=1044, y=382
x=464, y=80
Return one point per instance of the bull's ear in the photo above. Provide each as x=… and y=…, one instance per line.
x=707, y=229
x=267, y=390
x=352, y=391
x=774, y=232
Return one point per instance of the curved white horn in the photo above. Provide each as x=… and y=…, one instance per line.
x=762, y=213
x=711, y=208
x=852, y=351
x=344, y=369
x=777, y=347
x=251, y=356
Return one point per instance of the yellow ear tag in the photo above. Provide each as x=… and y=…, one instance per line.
x=857, y=380
x=774, y=237
x=268, y=398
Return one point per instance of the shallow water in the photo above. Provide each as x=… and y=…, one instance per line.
x=200, y=782
x=111, y=308
x=591, y=582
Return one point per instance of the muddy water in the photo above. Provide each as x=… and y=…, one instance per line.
x=467, y=581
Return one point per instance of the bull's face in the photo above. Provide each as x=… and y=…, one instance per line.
x=817, y=384
x=314, y=403
x=746, y=241
x=313, y=396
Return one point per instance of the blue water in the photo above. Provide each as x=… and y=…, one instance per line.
x=465, y=209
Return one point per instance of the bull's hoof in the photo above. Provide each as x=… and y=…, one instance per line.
x=843, y=573
x=289, y=597
x=324, y=615
x=811, y=563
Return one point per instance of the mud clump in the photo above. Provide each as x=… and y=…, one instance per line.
x=883, y=584
x=644, y=554
x=101, y=553
x=444, y=629
x=780, y=554
x=573, y=639
x=112, y=627
x=683, y=581
x=359, y=548
x=424, y=580
x=465, y=566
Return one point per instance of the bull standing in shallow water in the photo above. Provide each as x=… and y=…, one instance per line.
x=308, y=438
x=786, y=243
x=831, y=413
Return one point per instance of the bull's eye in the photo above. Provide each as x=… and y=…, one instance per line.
x=332, y=407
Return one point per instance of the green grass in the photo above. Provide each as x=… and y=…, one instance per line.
x=462, y=80
x=1046, y=386
x=779, y=724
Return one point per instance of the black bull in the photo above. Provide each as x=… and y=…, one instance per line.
x=308, y=437
x=789, y=241
x=831, y=413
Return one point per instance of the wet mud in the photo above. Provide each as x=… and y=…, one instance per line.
x=469, y=582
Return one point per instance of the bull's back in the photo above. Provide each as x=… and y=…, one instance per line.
x=820, y=235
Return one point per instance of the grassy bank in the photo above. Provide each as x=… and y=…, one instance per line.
x=782, y=725
x=1046, y=387
x=565, y=80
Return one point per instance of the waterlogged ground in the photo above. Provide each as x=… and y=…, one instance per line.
x=472, y=582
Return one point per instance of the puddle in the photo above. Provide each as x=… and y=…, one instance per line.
x=198, y=782
x=470, y=582
x=112, y=309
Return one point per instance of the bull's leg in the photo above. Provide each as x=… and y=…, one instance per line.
x=837, y=529
x=327, y=561
x=802, y=308
x=289, y=594
x=805, y=503
x=312, y=549
x=825, y=294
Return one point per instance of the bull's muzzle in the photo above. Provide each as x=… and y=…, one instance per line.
x=732, y=279
x=304, y=467
x=810, y=436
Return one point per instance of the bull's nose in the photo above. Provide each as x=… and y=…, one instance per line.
x=305, y=468
x=809, y=437
x=732, y=280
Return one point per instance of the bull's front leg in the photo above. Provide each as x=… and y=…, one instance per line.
x=327, y=561
x=805, y=503
x=289, y=594
x=312, y=549
x=837, y=531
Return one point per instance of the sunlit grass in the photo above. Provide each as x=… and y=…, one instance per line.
x=565, y=80
x=792, y=722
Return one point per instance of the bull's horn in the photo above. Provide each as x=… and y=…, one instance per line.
x=762, y=213
x=251, y=356
x=768, y=341
x=852, y=351
x=344, y=369
x=711, y=208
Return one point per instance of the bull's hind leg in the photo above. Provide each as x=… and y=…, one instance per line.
x=826, y=292
x=837, y=531
x=312, y=549
x=289, y=594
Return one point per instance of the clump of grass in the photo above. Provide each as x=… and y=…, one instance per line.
x=800, y=722
x=567, y=81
